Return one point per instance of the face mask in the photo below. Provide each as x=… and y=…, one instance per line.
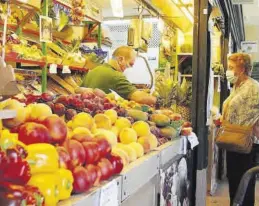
x=231, y=77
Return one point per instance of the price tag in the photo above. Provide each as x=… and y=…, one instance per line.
x=109, y=194
x=66, y=70
x=193, y=139
x=53, y=69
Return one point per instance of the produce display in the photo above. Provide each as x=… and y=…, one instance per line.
x=69, y=139
x=82, y=139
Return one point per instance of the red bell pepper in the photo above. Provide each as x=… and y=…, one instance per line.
x=16, y=172
x=19, y=195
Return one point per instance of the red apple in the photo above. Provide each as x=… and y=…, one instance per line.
x=63, y=99
x=186, y=131
x=91, y=152
x=92, y=171
x=47, y=97
x=57, y=128
x=117, y=164
x=76, y=152
x=106, y=168
x=70, y=113
x=82, y=180
x=59, y=109
x=99, y=176
x=87, y=95
x=187, y=124
x=104, y=146
x=175, y=117
x=82, y=138
x=64, y=158
x=32, y=133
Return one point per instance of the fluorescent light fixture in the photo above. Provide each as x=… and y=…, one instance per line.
x=186, y=1
x=116, y=22
x=117, y=8
x=161, y=25
x=187, y=14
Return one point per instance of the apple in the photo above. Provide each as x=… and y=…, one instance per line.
x=82, y=138
x=91, y=152
x=57, y=128
x=99, y=93
x=99, y=176
x=76, y=152
x=82, y=180
x=50, y=104
x=106, y=168
x=107, y=106
x=104, y=146
x=93, y=172
x=59, y=109
x=32, y=133
x=186, y=131
x=87, y=95
x=70, y=113
x=187, y=124
x=117, y=164
x=64, y=158
x=47, y=97
x=175, y=117
x=63, y=99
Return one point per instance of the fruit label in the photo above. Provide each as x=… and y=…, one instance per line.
x=53, y=69
x=109, y=194
x=66, y=70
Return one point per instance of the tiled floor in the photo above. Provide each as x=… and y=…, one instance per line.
x=221, y=197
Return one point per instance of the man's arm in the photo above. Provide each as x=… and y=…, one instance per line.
x=142, y=98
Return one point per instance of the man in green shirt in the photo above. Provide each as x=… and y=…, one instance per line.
x=110, y=76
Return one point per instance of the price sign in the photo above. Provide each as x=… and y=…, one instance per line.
x=53, y=69
x=109, y=194
x=66, y=70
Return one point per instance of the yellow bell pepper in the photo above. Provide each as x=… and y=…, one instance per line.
x=65, y=185
x=48, y=186
x=43, y=158
x=8, y=140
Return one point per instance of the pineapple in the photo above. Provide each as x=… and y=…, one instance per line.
x=184, y=100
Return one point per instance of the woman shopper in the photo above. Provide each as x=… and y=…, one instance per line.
x=241, y=108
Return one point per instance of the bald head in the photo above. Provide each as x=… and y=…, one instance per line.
x=125, y=56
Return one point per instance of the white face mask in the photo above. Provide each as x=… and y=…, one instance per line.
x=231, y=77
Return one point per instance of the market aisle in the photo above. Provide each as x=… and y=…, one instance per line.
x=221, y=197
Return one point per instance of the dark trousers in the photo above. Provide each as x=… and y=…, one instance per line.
x=237, y=165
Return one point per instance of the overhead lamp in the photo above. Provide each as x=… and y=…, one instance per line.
x=186, y=1
x=161, y=25
x=117, y=8
x=187, y=14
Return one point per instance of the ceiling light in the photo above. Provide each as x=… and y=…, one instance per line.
x=186, y=1
x=187, y=14
x=161, y=25
x=117, y=8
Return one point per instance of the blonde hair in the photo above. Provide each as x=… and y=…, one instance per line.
x=242, y=60
x=124, y=51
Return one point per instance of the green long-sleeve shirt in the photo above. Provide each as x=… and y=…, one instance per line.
x=105, y=77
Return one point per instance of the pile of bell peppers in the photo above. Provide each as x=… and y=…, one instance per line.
x=53, y=182
x=30, y=174
x=15, y=173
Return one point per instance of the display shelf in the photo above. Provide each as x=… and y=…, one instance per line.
x=92, y=197
x=139, y=173
x=13, y=57
x=168, y=151
x=135, y=176
x=92, y=40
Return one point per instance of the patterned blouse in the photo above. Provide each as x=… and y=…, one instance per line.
x=242, y=106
